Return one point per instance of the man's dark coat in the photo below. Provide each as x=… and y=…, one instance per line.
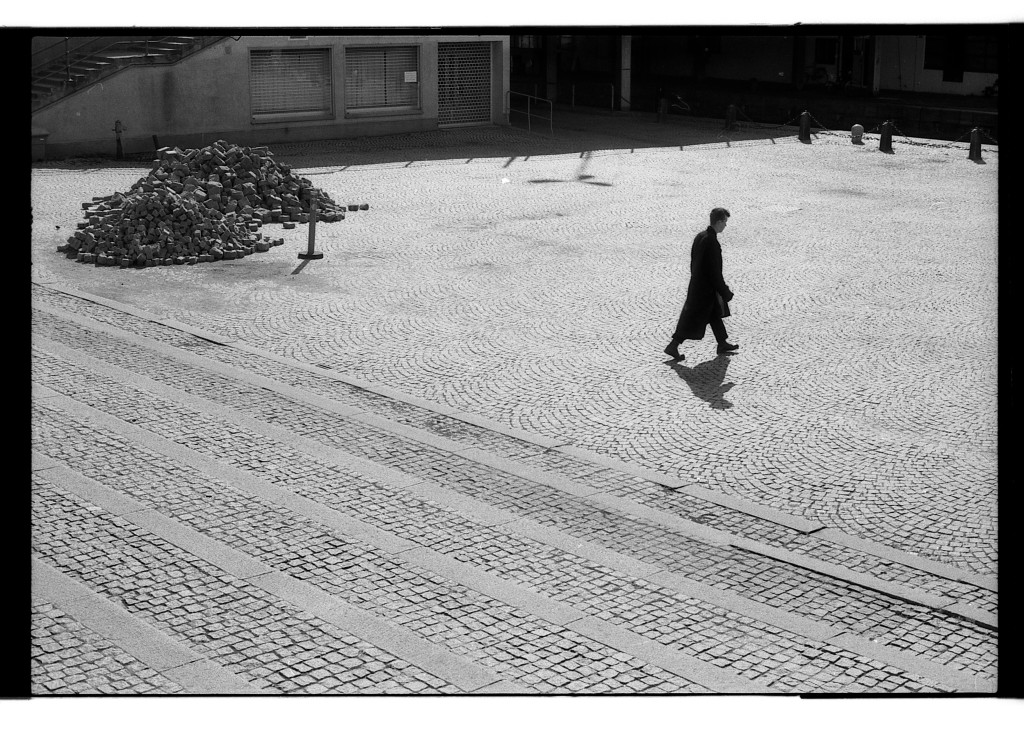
x=706, y=285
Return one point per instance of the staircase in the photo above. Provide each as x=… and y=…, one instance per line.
x=210, y=518
x=65, y=65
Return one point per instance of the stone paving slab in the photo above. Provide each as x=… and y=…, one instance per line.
x=174, y=660
x=70, y=658
x=796, y=522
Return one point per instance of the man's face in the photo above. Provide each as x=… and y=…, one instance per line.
x=719, y=226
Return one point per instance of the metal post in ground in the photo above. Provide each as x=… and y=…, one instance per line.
x=310, y=252
x=975, y=152
x=885, y=141
x=805, y=127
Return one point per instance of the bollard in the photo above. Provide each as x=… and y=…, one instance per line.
x=975, y=153
x=310, y=253
x=662, y=109
x=805, y=127
x=885, y=142
x=857, y=134
x=730, y=117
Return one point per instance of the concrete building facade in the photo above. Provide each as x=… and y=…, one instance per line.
x=269, y=89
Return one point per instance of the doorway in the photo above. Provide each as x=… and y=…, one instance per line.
x=463, y=84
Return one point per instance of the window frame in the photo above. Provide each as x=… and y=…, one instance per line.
x=398, y=110
x=258, y=118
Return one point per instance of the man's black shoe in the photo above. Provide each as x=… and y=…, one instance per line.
x=727, y=348
x=672, y=350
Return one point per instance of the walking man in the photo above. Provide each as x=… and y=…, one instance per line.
x=708, y=296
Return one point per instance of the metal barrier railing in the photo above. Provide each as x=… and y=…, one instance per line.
x=71, y=50
x=530, y=114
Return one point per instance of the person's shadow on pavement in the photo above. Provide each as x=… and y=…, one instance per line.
x=706, y=380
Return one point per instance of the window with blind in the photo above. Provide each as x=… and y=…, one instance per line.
x=290, y=83
x=382, y=78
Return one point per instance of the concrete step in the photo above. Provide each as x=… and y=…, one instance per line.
x=597, y=528
x=645, y=487
x=69, y=616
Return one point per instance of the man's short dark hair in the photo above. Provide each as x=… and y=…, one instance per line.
x=717, y=214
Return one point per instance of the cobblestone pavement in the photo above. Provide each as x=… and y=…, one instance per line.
x=450, y=457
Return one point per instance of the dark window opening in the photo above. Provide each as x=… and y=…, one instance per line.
x=825, y=51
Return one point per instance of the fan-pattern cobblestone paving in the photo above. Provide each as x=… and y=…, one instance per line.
x=450, y=457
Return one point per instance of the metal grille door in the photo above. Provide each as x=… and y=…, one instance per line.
x=463, y=84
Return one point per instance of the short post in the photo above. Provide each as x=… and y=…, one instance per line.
x=310, y=253
x=662, y=108
x=805, y=127
x=857, y=134
x=885, y=142
x=975, y=153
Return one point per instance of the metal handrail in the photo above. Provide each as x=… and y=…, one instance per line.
x=529, y=112
x=58, y=67
x=66, y=49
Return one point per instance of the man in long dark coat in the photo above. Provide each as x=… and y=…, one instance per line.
x=707, y=297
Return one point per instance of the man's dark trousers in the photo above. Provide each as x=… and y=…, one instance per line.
x=717, y=327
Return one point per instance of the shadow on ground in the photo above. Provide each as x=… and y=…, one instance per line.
x=574, y=132
x=707, y=380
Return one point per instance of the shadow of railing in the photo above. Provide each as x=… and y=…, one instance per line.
x=573, y=133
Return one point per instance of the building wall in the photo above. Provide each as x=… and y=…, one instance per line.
x=764, y=58
x=901, y=68
x=205, y=97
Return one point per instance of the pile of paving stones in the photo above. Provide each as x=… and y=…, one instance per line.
x=198, y=205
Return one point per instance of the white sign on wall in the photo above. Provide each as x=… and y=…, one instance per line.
x=410, y=76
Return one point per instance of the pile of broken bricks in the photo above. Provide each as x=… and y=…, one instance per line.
x=199, y=205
